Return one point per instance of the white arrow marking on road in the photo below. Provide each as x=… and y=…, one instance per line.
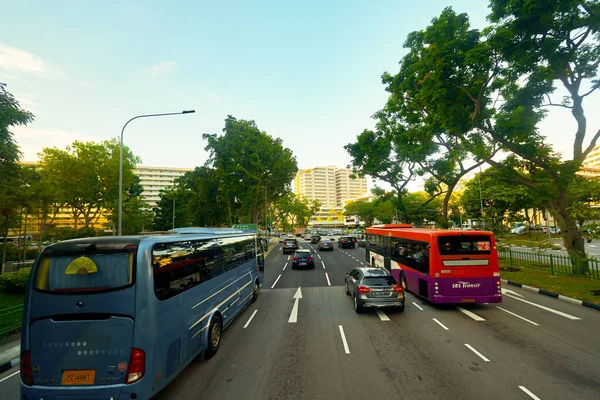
x=470, y=314
x=294, y=314
x=507, y=291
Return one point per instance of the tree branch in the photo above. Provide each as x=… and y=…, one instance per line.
x=591, y=90
x=517, y=178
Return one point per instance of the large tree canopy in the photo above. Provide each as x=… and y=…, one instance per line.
x=251, y=168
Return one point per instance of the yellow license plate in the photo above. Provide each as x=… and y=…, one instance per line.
x=468, y=300
x=80, y=377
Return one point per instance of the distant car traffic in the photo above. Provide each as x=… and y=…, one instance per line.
x=315, y=239
x=325, y=244
x=289, y=246
x=346, y=242
x=303, y=259
x=373, y=287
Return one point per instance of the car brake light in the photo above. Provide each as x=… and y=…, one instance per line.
x=26, y=375
x=363, y=289
x=137, y=361
x=398, y=289
x=310, y=258
x=295, y=259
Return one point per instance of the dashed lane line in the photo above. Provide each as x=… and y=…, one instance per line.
x=476, y=352
x=440, y=324
x=470, y=314
x=276, y=280
x=250, y=319
x=518, y=316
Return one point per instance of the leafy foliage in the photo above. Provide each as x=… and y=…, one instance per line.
x=14, y=282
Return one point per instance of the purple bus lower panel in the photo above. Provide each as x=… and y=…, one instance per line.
x=452, y=290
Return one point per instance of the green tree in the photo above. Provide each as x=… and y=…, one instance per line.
x=492, y=87
x=295, y=210
x=251, y=167
x=85, y=177
x=364, y=210
x=11, y=115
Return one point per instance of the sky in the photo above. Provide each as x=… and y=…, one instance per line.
x=307, y=72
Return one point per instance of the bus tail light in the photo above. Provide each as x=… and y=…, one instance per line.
x=26, y=374
x=137, y=361
x=363, y=289
x=398, y=289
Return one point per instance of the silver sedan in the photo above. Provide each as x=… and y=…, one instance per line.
x=374, y=287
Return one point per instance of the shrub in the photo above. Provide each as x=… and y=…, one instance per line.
x=14, y=282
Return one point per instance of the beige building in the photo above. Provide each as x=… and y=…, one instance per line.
x=331, y=186
x=591, y=165
x=154, y=179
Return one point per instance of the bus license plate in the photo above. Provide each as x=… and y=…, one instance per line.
x=79, y=377
x=467, y=300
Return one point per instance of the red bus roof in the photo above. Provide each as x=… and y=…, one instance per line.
x=407, y=230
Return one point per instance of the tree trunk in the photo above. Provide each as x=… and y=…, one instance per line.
x=447, y=198
x=572, y=238
x=5, y=244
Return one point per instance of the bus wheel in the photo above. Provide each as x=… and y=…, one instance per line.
x=214, y=336
x=403, y=281
x=255, y=292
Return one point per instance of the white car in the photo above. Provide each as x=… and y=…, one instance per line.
x=519, y=230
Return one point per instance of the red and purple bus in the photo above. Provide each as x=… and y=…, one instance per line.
x=443, y=266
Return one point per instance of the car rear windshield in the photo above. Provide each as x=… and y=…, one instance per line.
x=379, y=280
x=302, y=254
x=458, y=245
x=290, y=241
x=85, y=273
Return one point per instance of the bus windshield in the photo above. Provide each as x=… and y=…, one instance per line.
x=78, y=273
x=462, y=245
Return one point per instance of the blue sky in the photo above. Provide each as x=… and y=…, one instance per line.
x=307, y=72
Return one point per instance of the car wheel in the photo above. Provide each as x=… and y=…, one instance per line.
x=255, y=292
x=399, y=308
x=214, y=336
x=403, y=281
x=357, y=305
x=346, y=287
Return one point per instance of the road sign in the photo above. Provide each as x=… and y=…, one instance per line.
x=245, y=227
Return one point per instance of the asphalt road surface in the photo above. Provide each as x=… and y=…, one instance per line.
x=528, y=347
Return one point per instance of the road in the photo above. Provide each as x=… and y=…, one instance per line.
x=528, y=347
x=592, y=249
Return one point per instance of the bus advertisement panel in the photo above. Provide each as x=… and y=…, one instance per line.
x=443, y=266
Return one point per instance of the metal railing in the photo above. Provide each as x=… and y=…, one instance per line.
x=10, y=318
x=553, y=263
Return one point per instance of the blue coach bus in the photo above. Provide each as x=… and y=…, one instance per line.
x=120, y=317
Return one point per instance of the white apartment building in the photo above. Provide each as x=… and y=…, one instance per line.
x=330, y=186
x=591, y=165
x=154, y=179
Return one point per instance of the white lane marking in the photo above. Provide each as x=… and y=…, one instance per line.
x=506, y=291
x=275, y=283
x=440, y=324
x=11, y=375
x=322, y=262
x=284, y=266
x=319, y=256
x=592, y=245
x=328, y=282
x=294, y=314
x=476, y=352
x=523, y=388
x=518, y=316
x=562, y=314
x=470, y=314
x=346, y=349
x=382, y=316
x=250, y=319
x=418, y=306
x=288, y=258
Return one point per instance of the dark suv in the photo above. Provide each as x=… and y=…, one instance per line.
x=346, y=242
x=315, y=239
x=289, y=246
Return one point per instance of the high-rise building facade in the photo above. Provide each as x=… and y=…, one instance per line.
x=330, y=186
x=591, y=165
x=155, y=179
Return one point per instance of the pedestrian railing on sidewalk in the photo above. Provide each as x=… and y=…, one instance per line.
x=10, y=318
x=553, y=263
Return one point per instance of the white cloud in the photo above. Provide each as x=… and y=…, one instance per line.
x=162, y=68
x=14, y=59
x=32, y=140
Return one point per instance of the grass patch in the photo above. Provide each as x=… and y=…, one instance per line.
x=10, y=319
x=573, y=286
x=541, y=243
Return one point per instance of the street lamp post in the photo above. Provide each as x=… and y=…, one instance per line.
x=120, y=207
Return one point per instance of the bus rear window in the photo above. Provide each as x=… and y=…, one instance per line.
x=85, y=273
x=459, y=245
